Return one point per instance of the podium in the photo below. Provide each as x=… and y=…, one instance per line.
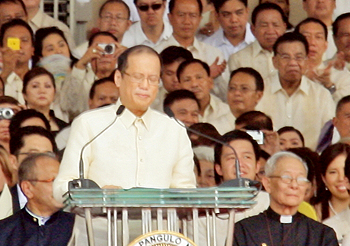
x=180, y=208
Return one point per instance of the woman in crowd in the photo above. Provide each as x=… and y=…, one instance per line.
x=290, y=138
x=39, y=91
x=332, y=195
x=52, y=52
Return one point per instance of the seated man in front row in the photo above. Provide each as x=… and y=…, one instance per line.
x=41, y=222
x=281, y=224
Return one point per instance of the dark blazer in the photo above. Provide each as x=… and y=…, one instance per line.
x=21, y=229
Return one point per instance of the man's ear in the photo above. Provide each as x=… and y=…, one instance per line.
x=27, y=189
x=267, y=184
x=218, y=169
x=117, y=78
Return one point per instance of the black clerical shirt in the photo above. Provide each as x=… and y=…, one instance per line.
x=266, y=229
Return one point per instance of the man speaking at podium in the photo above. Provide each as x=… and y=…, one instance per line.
x=142, y=148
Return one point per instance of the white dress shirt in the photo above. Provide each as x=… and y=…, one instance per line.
x=340, y=224
x=225, y=123
x=307, y=109
x=150, y=151
x=219, y=41
x=14, y=86
x=43, y=20
x=341, y=80
x=5, y=203
x=215, y=113
x=331, y=48
x=135, y=35
x=208, y=54
x=253, y=56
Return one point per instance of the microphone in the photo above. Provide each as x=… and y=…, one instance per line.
x=83, y=183
x=238, y=181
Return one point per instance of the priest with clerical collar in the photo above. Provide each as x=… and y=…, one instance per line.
x=281, y=223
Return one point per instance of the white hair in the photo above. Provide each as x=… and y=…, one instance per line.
x=271, y=163
x=204, y=153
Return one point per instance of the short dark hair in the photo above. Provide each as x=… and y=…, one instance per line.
x=33, y=73
x=335, y=24
x=114, y=1
x=292, y=129
x=8, y=99
x=219, y=3
x=255, y=120
x=97, y=83
x=24, y=115
x=93, y=36
x=15, y=2
x=43, y=33
x=310, y=157
x=259, y=82
x=177, y=95
x=175, y=53
x=312, y=20
x=184, y=64
x=291, y=37
x=137, y=49
x=17, y=140
x=27, y=169
x=172, y=6
x=267, y=6
x=207, y=129
x=13, y=23
x=227, y=138
x=341, y=103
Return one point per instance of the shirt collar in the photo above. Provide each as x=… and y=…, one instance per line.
x=257, y=49
x=128, y=118
x=281, y=218
x=276, y=85
x=37, y=19
x=36, y=218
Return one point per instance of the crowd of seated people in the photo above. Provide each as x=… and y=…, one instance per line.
x=278, y=94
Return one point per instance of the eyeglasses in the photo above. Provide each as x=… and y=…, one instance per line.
x=44, y=181
x=288, y=179
x=139, y=78
x=286, y=58
x=145, y=8
x=37, y=152
x=109, y=18
x=243, y=90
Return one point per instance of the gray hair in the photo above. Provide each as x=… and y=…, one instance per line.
x=204, y=153
x=271, y=163
x=27, y=168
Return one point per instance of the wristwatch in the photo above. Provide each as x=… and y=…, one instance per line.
x=332, y=89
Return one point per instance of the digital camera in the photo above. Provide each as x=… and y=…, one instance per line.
x=6, y=113
x=108, y=48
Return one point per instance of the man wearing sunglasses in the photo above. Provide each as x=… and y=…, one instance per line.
x=41, y=222
x=152, y=28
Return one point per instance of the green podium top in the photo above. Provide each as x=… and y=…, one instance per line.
x=214, y=197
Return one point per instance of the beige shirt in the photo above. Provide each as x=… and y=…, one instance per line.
x=225, y=123
x=341, y=80
x=14, y=86
x=5, y=203
x=158, y=102
x=340, y=224
x=307, y=109
x=43, y=20
x=150, y=151
x=215, y=113
x=208, y=54
x=253, y=56
x=135, y=35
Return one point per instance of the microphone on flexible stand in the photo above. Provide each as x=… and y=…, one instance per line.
x=238, y=181
x=83, y=183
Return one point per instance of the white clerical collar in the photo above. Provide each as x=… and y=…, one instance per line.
x=40, y=219
x=285, y=219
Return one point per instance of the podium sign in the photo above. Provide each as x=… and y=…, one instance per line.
x=180, y=208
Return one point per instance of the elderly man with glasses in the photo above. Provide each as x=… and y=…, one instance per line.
x=281, y=224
